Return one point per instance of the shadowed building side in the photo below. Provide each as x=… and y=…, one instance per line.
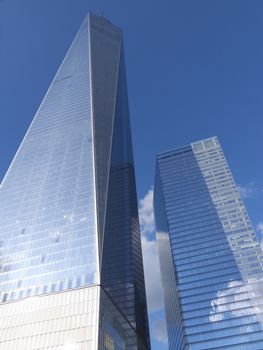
x=122, y=266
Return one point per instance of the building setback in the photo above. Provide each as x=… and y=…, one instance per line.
x=71, y=272
x=211, y=261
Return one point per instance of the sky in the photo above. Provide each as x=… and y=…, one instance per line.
x=194, y=68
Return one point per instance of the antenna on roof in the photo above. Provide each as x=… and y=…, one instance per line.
x=102, y=14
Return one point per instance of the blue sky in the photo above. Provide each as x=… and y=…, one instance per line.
x=195, y=69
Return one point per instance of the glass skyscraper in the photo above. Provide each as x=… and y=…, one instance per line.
x=71, y=272
x=211, y=262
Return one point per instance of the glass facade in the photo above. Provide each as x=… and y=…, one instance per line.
x=68, y=210
x=47, y=198
x=211, y=262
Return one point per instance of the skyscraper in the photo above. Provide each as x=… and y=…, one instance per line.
x=211, y=262
x=71, y=273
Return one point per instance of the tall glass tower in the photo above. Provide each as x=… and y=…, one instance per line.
x=211, y=262
x=71, y=272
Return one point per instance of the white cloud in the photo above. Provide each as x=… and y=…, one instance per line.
x=152, y=275
x=146, y=213
x=154, y=290
x=159, y=330
x=223, y=305
x=248, y=191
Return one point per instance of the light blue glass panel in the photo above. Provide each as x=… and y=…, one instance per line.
x=47, y=202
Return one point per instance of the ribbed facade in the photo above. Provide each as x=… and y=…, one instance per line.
x=70, y=251
x=211, y=261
